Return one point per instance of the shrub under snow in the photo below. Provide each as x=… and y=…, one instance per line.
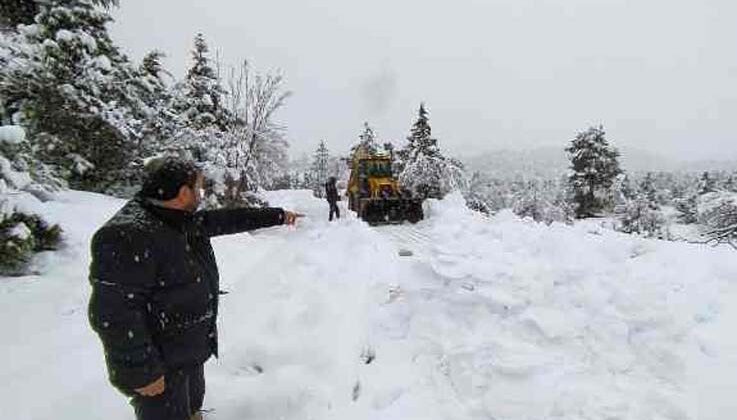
x=717, y=212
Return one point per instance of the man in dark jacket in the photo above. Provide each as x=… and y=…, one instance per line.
x=155, y=288
x=331, y=193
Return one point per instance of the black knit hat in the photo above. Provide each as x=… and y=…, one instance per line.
x=165, y=176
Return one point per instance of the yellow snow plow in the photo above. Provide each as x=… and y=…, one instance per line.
x=374, y=193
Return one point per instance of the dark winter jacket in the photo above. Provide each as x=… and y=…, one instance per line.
x=331, y=192
x=155, y=287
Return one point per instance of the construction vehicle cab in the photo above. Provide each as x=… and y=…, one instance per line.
x=374, y=193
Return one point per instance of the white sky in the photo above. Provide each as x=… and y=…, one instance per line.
x=661, y=75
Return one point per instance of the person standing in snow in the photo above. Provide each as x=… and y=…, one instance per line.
x=331, y=193
x=155, y=288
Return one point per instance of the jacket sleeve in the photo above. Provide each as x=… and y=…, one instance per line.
x=122, y=274
x=230, y=221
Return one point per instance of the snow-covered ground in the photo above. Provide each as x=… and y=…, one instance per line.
x=487, y=319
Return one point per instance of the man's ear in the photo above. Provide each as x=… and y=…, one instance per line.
x=182, y=192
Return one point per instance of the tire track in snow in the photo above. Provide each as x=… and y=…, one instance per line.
x=408, y=238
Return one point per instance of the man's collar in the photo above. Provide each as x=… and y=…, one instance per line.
x=173, y=217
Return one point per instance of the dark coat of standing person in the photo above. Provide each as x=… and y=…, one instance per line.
x=155, y=289
x=331, y=194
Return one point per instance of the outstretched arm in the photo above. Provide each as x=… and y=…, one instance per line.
x=230, y=221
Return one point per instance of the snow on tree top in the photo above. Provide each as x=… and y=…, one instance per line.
x=12, y=134
x=20, y=231
x=88, y=41
x=67, y=36
x=64, y=35
x=103, y=63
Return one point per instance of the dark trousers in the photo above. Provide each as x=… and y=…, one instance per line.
x=334, y=210
x=182, y=397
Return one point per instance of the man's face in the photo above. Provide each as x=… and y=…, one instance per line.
x=194, y=197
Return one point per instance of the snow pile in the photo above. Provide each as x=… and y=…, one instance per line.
x=573, y=322
x=490, y=318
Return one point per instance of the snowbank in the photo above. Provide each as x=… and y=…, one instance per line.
x=575, y=322
x=489, y=318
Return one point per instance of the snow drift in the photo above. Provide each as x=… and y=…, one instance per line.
x=489, y=318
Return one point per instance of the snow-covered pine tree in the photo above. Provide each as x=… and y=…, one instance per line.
x=64, y=79
x=685, y=197
x=641, y=213
x=424, y=169
x=421, y=135
x=320, y=169
x=200, y=122
x=200, y=103
x=161, y=123
x=17, y=12
x=366, y=140
x=663, y=182
x=594, y=166
x=23, y=12
x=648, y=190
x=687, y=209
x=151, y=64
x=22, y=234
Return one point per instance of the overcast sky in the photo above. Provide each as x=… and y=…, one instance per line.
x=661, y=75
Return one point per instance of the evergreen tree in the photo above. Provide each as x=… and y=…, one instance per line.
x=423, y=168
x=64, y=79
x=200, y=125
x=648, y=191
x=687, y=208
x=320, y=169
x=23, y=12
x=151, y=65
x=161, y=121
x=641, y=213
x=421, y=137
x=17, y=12
x=366, y=141
x=201, y=102
x=21, y=234
x=595, y=166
